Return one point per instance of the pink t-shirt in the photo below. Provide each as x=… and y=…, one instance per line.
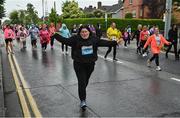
x=8, y=33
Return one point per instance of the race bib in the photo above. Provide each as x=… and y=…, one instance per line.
x=87, y=50
x=113, y=38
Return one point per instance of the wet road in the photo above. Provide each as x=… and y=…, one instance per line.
x=123, y=88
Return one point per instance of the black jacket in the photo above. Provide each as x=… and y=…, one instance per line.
x=136, y=34
x=84, y=50
x=173, y=36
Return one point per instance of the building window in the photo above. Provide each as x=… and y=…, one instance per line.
x=141, y=13
x=134, y=13
x=130, y=1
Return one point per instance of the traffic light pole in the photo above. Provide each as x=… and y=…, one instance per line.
x=43, y=10
x=167, y=17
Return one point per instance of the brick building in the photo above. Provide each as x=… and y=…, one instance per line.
x=135, y=7
x=144, y=8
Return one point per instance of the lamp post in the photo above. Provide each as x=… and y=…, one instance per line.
x=43, y=10
x=106, y=15
x=167, y=17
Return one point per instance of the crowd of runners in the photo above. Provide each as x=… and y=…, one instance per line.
x=85, y=40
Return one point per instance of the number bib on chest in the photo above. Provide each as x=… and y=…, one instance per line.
x=87, y=50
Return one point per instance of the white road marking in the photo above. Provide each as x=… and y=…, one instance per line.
x=175, y=79
x=109, y=59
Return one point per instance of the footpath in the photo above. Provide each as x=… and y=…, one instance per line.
x=2, y=110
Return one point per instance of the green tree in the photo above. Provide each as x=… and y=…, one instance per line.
x=156, y=7
x=14, y=17
x=98, y=13
x=129, y=15
x=71, y=9
x=53, y=16
x=7, y=22
x=2, y=10
x=31, y=14
x=22, y=15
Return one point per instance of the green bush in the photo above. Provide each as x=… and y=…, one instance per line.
x=129, y=15
x=120, y=23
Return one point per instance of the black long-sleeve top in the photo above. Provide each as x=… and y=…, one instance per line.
x=173, y=35
x=136, y=34
x=84, y=50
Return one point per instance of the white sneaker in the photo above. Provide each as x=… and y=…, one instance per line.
x=126, y=47
x=83, y=104
x=67, y=52
x=144, y=55
x=148, y=63
x=158, y=68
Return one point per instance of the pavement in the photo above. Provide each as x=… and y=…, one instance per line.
x=124, y=89
x=2, y=112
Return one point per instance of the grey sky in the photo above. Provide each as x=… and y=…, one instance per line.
x=11, y=5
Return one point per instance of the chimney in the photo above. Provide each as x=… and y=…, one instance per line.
x=99, y=5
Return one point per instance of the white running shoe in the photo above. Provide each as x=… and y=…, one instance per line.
x=83, y=104
x=144, y=55
x=158, y=68
x=148, y=63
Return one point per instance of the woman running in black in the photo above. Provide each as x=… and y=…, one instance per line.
x=84, y=53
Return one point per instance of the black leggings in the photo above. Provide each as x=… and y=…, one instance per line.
x=142, y=43
x=83, y=72
x=156, y=57
x=175, y=49
x=44, y=45
x=52, y=41
x=66, y=46
x=33, y=42
x=109, y=50
x=125, y=42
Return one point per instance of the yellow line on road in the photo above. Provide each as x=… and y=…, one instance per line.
x=23, y=103
x=27, y=91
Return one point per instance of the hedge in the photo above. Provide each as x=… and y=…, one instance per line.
x=120, y=23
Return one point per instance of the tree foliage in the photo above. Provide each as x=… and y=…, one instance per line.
x=28, y=16
x=128, y=15
x=156, y=7
x=2, y=10
x=98, y=13
x=71, y=9
x=53, y=16
x=32, y=16
x=14, y=17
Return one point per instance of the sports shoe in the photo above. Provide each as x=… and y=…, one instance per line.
x=105, y=57
x=83, y=104
x=115, y=59
x=158, y=68
x=166, y=55
x=144, y=55
x=148, y=63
